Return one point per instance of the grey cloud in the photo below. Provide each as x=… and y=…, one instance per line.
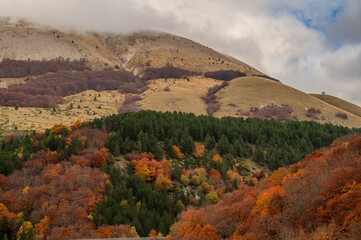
x=347, y=28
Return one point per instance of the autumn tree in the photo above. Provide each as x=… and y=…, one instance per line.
x=178, y=152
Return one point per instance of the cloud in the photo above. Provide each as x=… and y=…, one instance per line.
x=347, y=29
x=311, y=45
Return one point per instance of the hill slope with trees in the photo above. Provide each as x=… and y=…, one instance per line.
x=136, y=173
x=317, y=198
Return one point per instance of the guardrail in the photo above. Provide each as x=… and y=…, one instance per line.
x=139, y=238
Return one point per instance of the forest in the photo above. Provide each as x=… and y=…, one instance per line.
x=169, y=71
x=52, y=80
x=181, y=175
x=48, y=90
x=317, y=198
x=21, y=68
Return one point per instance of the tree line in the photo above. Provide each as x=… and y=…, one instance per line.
x=22, y=68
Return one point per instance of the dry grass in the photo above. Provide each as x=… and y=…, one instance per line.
x=184, y=96
x=6, y=82
x=136, y=52
x=249, y=92
x=158, y=49
x=131, y=51
x=340, y=103
x=23, y=41
x=38, y=119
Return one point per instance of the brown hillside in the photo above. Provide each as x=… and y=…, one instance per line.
x=340, y=103
x=250, y=92
x=139, y=51
x=183, y=95
x=135, y=51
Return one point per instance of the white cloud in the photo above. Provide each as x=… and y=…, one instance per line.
x=311, y=45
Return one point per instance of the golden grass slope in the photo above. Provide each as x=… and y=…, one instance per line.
x=139, y=51
x=249, y=92
x=183, y=95
x=85, y=106
x=340, y=103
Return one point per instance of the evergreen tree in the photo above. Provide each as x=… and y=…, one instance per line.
x=258, y=155
x=223, y=145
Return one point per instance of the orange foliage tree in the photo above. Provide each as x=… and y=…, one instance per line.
x=153, y=170
x=105, y=232
x=317, y=198
x=192, y=226
x=178, y=152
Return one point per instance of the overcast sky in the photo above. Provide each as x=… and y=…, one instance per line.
x=312, y=45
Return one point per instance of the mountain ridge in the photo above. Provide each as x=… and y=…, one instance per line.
x=156, y=51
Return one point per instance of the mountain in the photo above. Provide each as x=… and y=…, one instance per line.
x=156, y=173
x=134, y=52
x=177, y=74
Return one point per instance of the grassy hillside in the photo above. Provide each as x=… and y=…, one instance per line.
x=249, y=92
x=138, y=52
x=183, y=95
x=81, y=106
x=340, y=103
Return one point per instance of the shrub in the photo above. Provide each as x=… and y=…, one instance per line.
x=168, y=71
x=129, y=104
x=211, y=99
x=341, y=115
x=225, y=75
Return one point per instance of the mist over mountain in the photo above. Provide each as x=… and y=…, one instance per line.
x=312, y=46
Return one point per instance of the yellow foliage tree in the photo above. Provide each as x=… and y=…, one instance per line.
x=199, y=150
x=184, y=179
x=59, y=129
x=163, y=183
x=212, y=197
x=234, y=176
x=79, y=124
x=134, y=231
x=25, y=190
x=201, y=173
x=217, y=158
x=196, y=180
x=206, y=188
x=26, y=230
